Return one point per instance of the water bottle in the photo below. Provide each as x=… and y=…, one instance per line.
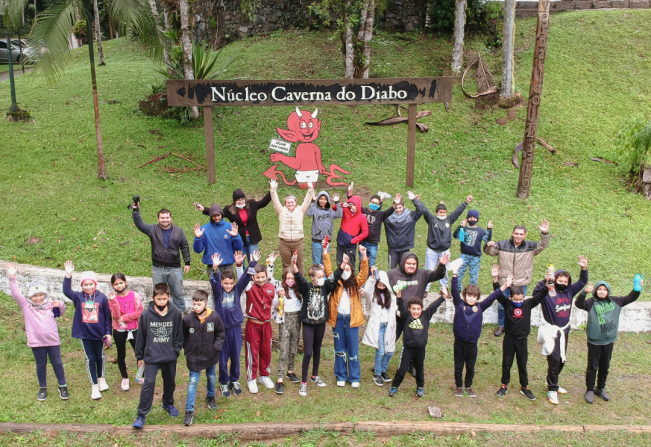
x=462, y=235
x=637, y=282
x=550, y=284
x=281, y=305
x=140, y=375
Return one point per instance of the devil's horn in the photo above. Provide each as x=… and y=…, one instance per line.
x=298, y=112
x=315, y=113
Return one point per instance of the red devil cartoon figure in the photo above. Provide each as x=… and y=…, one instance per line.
x=303, y=127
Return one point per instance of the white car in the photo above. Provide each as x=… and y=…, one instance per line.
x=15, y=51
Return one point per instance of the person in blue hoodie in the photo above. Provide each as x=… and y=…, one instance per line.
x=92, y=324
x=471, y=237
x=468, y=319
x=217, y=236
x=323, y=216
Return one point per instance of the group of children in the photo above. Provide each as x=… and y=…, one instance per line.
x=303, y=305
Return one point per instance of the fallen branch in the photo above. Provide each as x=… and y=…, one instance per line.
x=157, y=159
x=402, y=119
x=186, y=158
x=484, y=79
x=518, y=148
x=178, y=170
x=547, y=146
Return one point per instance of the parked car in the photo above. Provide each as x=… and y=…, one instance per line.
x=15, y=51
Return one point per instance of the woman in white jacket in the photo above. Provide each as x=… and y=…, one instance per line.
x=381, y=327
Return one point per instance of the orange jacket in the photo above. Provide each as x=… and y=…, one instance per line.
x=356, y=311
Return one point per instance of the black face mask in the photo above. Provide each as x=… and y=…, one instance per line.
x=560, y=287
x=160, y=309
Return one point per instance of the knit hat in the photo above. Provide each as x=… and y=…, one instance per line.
x=473, y=213
x=88, y=276
x=35, y=287
x=238, y=194
x=215, y=209
x=441, y=206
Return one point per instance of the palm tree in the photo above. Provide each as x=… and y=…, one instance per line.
x=51, y=33
x=98, y=34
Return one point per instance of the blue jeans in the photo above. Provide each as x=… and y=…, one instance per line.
x=382, y=358
x=500, y=308
x=431, y=259
x=248, y=250
x=371, y=252
x=317, y=253
x=194, y=381
x=173, y=277
x=472, y=264
x=346, y=350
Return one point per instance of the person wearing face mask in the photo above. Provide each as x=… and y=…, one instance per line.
x=554, y=330
x=400, y=228
x=290, y=231
x=323, y=216
x=439, y=235
x=471, y=237
x=602, y=329
x=39, y=312
x=346, y=316
x=468, y=319
x=244, y=213
x=92, y=323
x=353, y=230
x=217, y=236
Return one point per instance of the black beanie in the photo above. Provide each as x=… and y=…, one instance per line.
x=238, y=194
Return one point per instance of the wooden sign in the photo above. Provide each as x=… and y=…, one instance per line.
x=309, y=92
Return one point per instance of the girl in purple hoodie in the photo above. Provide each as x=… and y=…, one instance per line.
x=40, y=312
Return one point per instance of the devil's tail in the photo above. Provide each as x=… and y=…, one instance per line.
x=332, y=175
x=285, y=179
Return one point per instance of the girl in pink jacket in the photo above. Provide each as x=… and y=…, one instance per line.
x=40, y=312
x=126, y=307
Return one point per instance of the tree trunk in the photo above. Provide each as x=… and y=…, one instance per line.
x=508, y=71
x=366, y=35
x=98, y=35
x=459, y=26
x=110, y=26
x=349, y=53
x=186, y=44
x=154, y=12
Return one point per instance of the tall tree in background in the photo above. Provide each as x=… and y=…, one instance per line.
x=508, y=66
x=98, y=34
x=186, y=45
x=154, y=12
x=459, y=26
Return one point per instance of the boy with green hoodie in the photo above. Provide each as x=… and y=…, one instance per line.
x=603, y=326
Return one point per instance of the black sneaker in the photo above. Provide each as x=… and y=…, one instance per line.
x=279, y=388
x=385, y=377
x=211, y=403
x=392, y=391
x=412, y=371
x=526, y=392
x=589, y=396
x=499, y=331
x=235, y=388
x=189, y=418
x=293, y=377
x=42, y=394
x=502, y=391
x=378, y=380
x=63, y=392
x=602, y=393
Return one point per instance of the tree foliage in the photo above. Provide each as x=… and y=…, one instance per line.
x=633, y=145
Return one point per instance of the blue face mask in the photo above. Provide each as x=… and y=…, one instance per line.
x=518, y=304
x=374, y=206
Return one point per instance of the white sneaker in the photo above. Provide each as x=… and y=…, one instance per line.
x=562, y=390
x=553, y=397
x=355, y=384
x=253, y=386
x=302, y=389
x=94, y=392
x=341, y=383
x=103, y=386
x=318, y=382
x=124, y=384
x=266, y=381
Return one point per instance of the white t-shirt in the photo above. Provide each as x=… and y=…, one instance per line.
x=344, y=303
x=384, y=315
x=293, y=304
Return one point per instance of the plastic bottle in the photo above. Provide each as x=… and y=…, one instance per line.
x=637, y=282
x=140, y=375
x=550, y=284
x=462, y=235
x=281, y=305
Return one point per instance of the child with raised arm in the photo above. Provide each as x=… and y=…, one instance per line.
x=92, y=324
x=471, y=236
x=323, y=216
x=40, y=311
x=468, y=319
x=126, y=308
x=226, y=298
x=400, y=229
x=603, y=326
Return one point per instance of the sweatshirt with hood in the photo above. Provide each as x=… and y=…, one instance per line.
x=400, y=229
x=372, y=334
x=415, y=283
x=375, y=219
x=556, y=310
x=603, y=314
x=439, y=236
x=217, y=239
x=92, y=319
x=468, y=319
x=354, y=227
x=227, y=304
x=160, y=337
x=323, y=219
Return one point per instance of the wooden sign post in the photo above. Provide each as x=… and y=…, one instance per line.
x=535, y=90
x=294, y=93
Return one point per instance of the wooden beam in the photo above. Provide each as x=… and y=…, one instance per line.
x=411, y=144
x=210, y=144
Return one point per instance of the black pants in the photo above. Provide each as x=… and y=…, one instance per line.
x=312, y=340
x=395, y=257
x=406, y=356
x=511, y=348
x=598, y=360
x=94, y=352
x=350, y=251
x=555, y=364
x=168, y=371
x=40, y=356
x=120, y=339
x=464, y=353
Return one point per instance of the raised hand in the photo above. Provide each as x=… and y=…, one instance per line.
x=583, y=262
x=549, y=276
x=362, y=250
x=273, y=184
x=509, y=280
x=111, y=295
x=271, y=259
x=325, y=244
x=495, y=271
x=217, y=261
x=544, y=226
x=233, y=230
x=344, y=261
x=198, y=206
x=589, y=288
x=464, y=222
x=490, y=224
x=491, y=244
x=411, y=195
x=350, y=188
x=294, y=256
x=397, y=199
x=198, y=231
x=70, y=267
x=58, y=303
x=335, y=197
x=310, y=185
x=374, y=269
x=239, y=257
x=444, y=259
x=11, y=269
x=255, y=256
x=445, y=294
x=469, y=199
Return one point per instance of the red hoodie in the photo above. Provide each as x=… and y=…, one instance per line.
x=258, y=302
x=354, y=225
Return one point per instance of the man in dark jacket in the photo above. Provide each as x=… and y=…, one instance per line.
x=203, y=338
x=166, y=241
x=158, y=345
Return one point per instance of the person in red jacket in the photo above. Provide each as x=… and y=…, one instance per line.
x=353, y=230
x=257, y=335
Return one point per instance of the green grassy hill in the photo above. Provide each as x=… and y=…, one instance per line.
x=597, y=73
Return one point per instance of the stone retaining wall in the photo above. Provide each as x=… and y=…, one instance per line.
x=634, y=318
